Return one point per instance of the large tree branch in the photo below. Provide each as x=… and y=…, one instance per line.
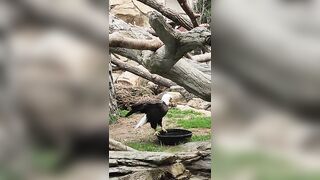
x=171, y=64
x=202, y=57
x=142, y=73
x=169, y=13
x=184, y=5
x=177, y=44
x=116, y=40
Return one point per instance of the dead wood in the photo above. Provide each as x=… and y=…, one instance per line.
x=142, y=73
x=168, y=61
x=169, y=13
x=116, y=40
x=202, y=57
x=118, y=146
x=175, y=165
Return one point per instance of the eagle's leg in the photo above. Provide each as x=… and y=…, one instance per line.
x=156, y=133
x=154, y=126
x=162, y=127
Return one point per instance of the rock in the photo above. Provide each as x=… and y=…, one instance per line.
x=177, y=97
x=188, y=96
x=196, y=146
x=178, y=170
x=199, y=103
x=186, y=107
x=130, y=79
x=126, y=10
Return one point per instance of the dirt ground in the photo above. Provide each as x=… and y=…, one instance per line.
x=123, y=130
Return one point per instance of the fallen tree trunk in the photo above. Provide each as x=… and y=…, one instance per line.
x=116, y=40
x=142, y=73
x=157, y=165
x=168, y=60
x=118, y=146
x=202, y=57
x=169, y=13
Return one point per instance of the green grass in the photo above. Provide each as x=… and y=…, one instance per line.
x=189, y=119
x=113, y=118
x=155, y=147
x=186, y=119
x=196, y=138
x=147, y=146
x=197, y=122
x=122, y=113
x=175, y=113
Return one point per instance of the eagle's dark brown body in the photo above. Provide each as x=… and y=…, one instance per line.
x=155, y=110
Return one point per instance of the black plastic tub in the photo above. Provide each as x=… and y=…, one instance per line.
x=174, y=136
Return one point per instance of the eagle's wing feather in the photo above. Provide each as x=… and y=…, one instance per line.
x=142, y=106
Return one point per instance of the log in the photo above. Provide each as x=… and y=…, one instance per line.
x=142, y=73
x=202, y=57
x=169, y=13
x=116, y=40
x=125, y=164
x=118, y=146
x=168, y=61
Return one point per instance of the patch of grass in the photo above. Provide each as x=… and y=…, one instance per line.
x=123, y=112
x=196, y=122
x=174, y=113
x=112, y=118
x=188, y=118
x=155, y=147
x=147, y=146
x=195, y=138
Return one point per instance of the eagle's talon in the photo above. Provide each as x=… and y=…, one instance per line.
x=164, y=130
x=156, y=133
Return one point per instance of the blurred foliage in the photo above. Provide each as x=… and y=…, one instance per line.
x=203, y=7
x=257, y=165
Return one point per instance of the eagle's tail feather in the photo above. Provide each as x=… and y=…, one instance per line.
x=142, y=121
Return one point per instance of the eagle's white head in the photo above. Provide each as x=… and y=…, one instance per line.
x=166, y=99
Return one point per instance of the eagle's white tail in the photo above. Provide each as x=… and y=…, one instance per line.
x=142, y=121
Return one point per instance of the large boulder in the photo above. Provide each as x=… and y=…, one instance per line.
x=128, y=12
x=199, y=104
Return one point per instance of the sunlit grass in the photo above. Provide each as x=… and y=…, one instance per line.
x=196, y=122
x=195, y=138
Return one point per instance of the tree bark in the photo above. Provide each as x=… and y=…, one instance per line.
x=116, y=40
x=169, y=13
x=168, y=61
x=113, y=108
x=202, y=57
x=142, y=73
x=126, y=164
x=118, y=146
x=184, y=5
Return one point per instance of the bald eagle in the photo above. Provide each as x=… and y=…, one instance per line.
x=154, y=111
